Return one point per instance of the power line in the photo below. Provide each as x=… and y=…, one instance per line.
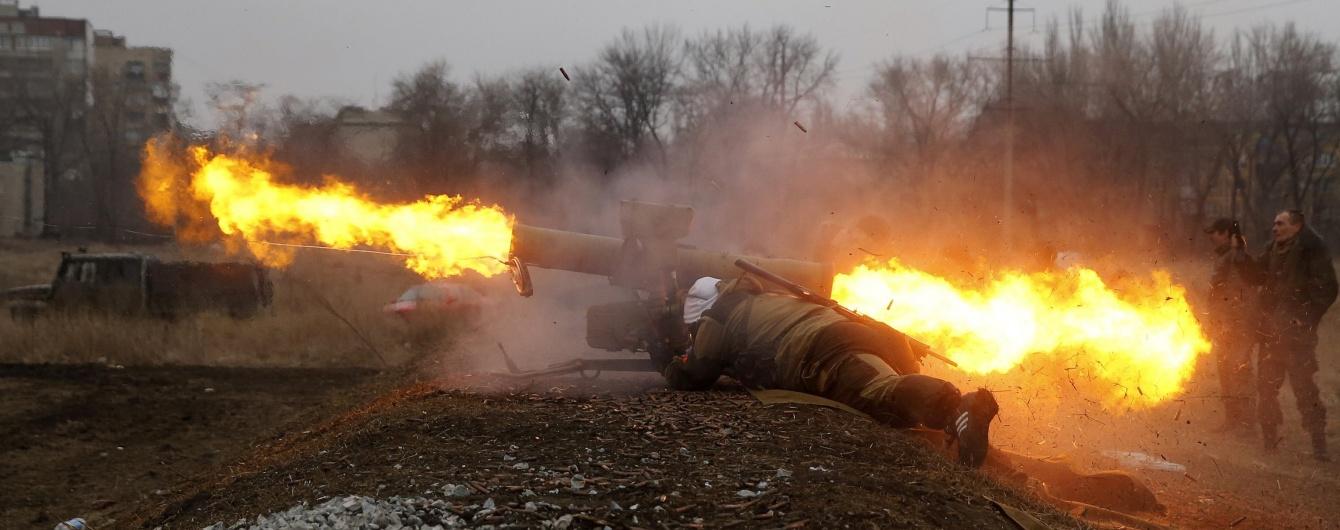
x=1202, y=16
x=1082, y=24
x=954, y=40
x=1257, y=8
x=1092, y=22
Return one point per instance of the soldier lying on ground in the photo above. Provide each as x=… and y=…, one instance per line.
x=769, y=340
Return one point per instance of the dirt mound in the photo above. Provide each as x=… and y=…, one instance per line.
x=622, y=457
x=98, y=442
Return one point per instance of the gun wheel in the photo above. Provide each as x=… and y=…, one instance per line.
x=520, y=277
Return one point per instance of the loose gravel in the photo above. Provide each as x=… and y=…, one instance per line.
x=396, y=513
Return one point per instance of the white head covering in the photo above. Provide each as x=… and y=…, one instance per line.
x=700, y=298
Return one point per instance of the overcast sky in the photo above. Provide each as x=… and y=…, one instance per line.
x=352, y=50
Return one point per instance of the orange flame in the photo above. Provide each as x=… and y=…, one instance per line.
x=1142, y=339
x=444, y=235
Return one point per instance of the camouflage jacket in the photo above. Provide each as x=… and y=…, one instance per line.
x=1232, y=298
x=757, y=337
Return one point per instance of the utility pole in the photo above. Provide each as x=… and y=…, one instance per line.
x=1008, y=220
x=1008, y=208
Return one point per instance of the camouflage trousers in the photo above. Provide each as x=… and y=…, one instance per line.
x=1293, y=357
x=1233, y=361
x=852, y=364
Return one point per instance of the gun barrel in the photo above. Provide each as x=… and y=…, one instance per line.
x=548, y=248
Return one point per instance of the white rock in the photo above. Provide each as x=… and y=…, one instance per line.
x=456, y=490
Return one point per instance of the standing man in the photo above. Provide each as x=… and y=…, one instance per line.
x=1298, y=285
x=1230, y=322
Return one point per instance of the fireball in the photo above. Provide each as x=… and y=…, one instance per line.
x=1142, y=341
x=1139, y=342
x=239, y=196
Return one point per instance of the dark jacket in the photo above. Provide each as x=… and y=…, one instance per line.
x=1232, y=302
x=1297, y=282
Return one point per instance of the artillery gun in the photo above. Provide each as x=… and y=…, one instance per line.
x=653, y=264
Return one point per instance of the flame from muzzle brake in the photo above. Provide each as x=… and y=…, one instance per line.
x=1140, y=342
x=239, y=196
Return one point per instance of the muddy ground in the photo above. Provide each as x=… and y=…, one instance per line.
x=147, y=447
x=102, y=442
x=644, y=457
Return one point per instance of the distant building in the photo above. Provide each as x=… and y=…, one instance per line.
x=142, y=79
x=368, y=136
x=45, y=94
x=76, y=106
x=21, y=206
x=44, y=57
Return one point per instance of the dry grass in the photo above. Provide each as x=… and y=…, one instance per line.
x=298, y=330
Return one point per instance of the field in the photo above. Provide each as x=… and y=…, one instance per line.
x=145, y=423
x=99, y=442
x=304, y=327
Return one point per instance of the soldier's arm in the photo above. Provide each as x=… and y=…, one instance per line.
x=698, y=368
x=1322, y=288
x=1251, y=269
x=1222, y=268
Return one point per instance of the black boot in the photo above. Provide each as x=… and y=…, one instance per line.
x=970, y=426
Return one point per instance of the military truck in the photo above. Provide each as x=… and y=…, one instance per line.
x=136, y=284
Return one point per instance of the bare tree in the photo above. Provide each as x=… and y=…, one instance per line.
x=1186, y=166
x=305, y=131
x=721, y=76
x=1282, y=142
x=539, y=100
x=435, y=109
x=243, y=116
x=794, y=67
x=926, y=105
x=724, y=64
x=109, y=151
x=1324, y=195
x=625, y=95
x=1304, y=70
x=489, y=115
x=739, y=70
x=1129, y=110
